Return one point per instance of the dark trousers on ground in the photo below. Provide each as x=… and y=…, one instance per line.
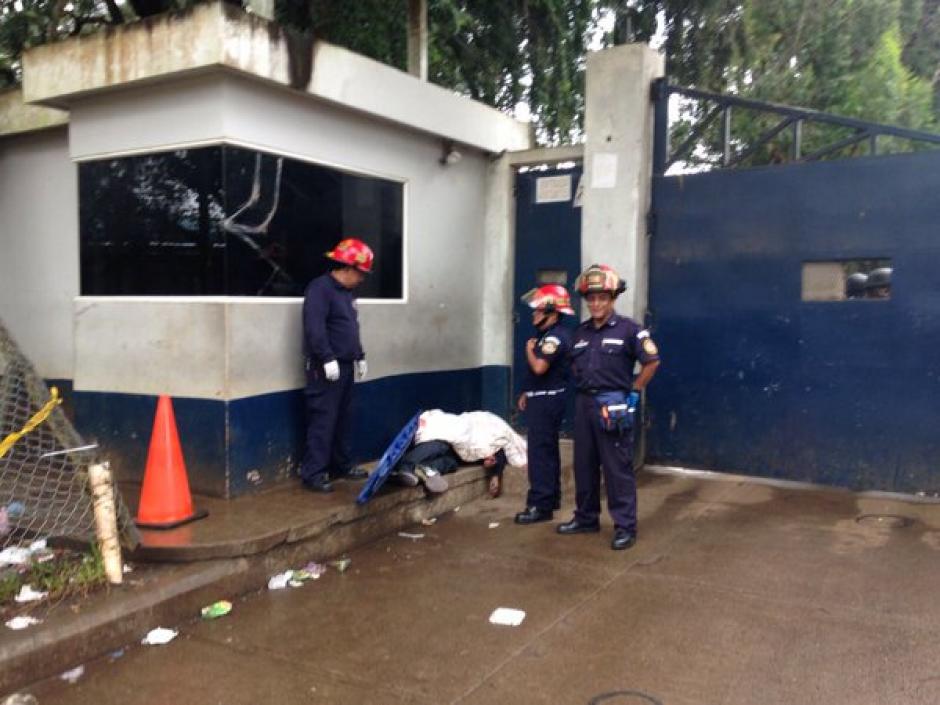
x=437, y=455
x=328, y=423
x=543, y=417
x=595, y=448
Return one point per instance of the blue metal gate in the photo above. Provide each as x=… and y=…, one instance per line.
x=759, y=381
x=548, y=250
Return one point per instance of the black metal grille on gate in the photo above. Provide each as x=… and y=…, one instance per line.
x=770, y=133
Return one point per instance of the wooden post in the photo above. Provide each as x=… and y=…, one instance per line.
x=102, y=492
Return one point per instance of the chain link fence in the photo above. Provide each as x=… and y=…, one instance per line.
x=43, y=461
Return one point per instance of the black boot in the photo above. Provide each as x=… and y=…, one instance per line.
x=576, y=527
x=319, y=483
x=533, y=515
x=623, y=539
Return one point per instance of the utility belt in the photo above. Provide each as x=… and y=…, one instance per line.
x=616, y=410
x=545, y=393
x=311, y=363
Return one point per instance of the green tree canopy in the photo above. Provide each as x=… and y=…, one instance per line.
x=874, y=59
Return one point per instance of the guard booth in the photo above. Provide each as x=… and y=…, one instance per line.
x=773, y=365
x=162, y=211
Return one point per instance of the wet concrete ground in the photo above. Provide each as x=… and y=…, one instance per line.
x=736, y=594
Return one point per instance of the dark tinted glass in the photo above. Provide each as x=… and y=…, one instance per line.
x=226, y=220
x=152, y=224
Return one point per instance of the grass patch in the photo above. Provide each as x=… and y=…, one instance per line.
x=67, y=574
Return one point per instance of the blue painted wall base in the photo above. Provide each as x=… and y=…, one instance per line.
x=243, y=445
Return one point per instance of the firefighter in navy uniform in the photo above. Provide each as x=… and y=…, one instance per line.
x=543, y=399
x=334, y=357
x=604, y=354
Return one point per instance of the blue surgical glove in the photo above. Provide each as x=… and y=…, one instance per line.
x=633, y=401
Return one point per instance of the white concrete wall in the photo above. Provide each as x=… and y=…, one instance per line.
x=39, y=247
x=437, y=327
x=618, y=158
x=498, y=254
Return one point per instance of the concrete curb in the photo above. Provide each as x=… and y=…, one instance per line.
x=178, y=593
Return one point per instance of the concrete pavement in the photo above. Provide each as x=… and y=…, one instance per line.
x=737, y=593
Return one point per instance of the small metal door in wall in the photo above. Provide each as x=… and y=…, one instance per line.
x=548, y=251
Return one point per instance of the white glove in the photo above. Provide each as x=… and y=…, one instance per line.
x=331, y=370
x=362, y=369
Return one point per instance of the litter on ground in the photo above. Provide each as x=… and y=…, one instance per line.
x=14, y=555
x=216, y=609
x=315, y=570
x=407, y=535
x=19, y=699
x=28, y=594
x=159, y=636
x=507, y=616
x=494, y=524
x=341, y=564
x=280, y=581
x=73, y=674
x=430, y=521
x=22, y=622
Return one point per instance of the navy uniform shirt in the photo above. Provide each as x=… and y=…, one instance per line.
x=331, y=324
x=602, y=359
x=552, y=346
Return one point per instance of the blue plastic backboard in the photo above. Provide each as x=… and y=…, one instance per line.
x=389, y=460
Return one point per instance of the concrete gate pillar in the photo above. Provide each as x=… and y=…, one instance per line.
x=618, y=157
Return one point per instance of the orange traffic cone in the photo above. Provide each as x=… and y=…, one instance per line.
x=165, y=501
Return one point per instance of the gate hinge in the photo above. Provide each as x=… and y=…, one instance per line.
x=650, y=222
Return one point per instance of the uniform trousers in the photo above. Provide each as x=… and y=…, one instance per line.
x=543, y=415
x=329, y=413
x=595, y=448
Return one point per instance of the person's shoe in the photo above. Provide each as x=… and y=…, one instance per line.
x=533, y=515
x=622, y=540
x=352, y=474
x=432, y=479
x=405, y=478
x=319, y=483
x=576, y=527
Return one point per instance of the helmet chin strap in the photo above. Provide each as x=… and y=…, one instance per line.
x=543, y=323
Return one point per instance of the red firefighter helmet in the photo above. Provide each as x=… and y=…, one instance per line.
x=353, y=252
x=600, y=278
x=550, y=297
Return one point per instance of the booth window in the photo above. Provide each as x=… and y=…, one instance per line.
x=843, y=280
x=230, y=221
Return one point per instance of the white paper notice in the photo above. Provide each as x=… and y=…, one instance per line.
x=553, y=189
x=604, y=170
x=507, y=616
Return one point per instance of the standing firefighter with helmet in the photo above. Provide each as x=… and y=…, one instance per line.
x=606, y=349
x=543, y=399
x=333, y=356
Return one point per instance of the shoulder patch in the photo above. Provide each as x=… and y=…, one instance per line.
x=549, y=345
x=649, y=347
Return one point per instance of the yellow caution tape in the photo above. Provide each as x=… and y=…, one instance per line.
x=38, y=418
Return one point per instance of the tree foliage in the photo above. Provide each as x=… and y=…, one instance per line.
x=874, y=59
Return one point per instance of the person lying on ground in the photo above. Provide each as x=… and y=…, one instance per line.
x=473, y=437
x=428, y=462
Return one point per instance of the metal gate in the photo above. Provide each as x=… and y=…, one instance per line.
x=768, y=370
x=548, y=251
